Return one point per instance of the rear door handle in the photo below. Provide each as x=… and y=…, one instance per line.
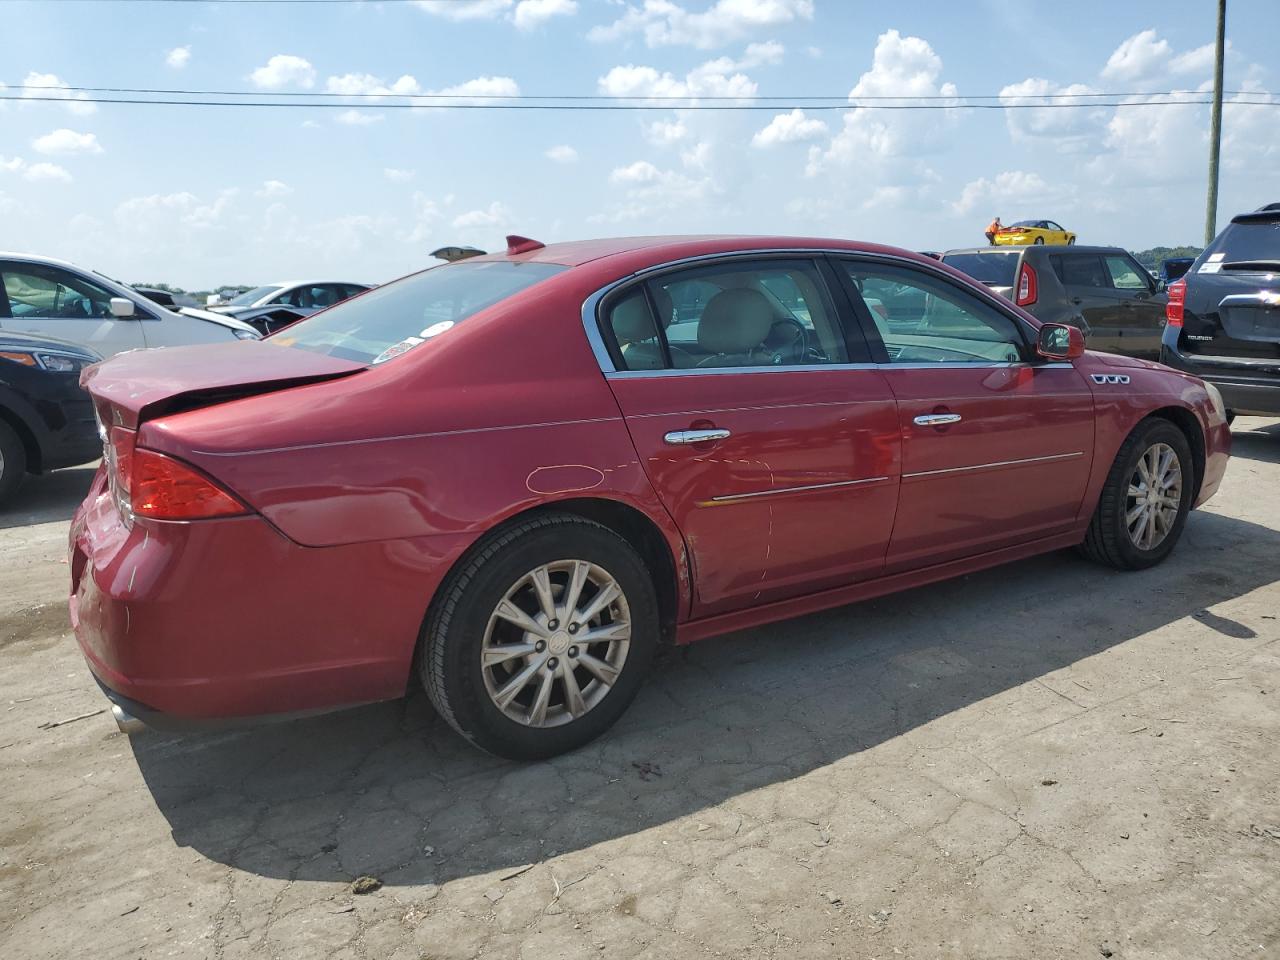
x=936, y=419
x=679, y=437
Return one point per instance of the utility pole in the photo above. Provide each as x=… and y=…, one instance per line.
x=1215, y=129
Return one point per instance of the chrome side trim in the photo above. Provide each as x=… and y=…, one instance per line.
x=730, y=498
x=998, y=463
x=590, y=321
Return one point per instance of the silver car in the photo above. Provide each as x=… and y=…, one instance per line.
x=53, y=298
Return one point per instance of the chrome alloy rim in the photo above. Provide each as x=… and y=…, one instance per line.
x=556, y=643
x=1155, y=493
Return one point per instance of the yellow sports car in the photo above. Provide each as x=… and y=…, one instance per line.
x=1033, y=231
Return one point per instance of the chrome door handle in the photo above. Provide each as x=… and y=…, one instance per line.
x=678, y=437
x=936, y=419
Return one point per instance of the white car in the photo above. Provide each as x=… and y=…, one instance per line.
x=57, y=299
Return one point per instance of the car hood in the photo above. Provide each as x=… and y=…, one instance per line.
x=141, y=384
x=218, y=318
x=1115, y=360
x=14, y=339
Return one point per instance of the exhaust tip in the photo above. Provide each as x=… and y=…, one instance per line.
x=126, y=721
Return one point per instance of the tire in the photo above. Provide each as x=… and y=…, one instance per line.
x=463, y=622
x=1109, y=540
x=1071, y=241
x=13, y=461
x=1039, y=241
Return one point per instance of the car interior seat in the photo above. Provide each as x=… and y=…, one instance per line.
x=734, y=327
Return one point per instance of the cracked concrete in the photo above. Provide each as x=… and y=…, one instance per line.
x=1028, y=762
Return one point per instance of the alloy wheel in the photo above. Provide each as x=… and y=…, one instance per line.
x=1155, y=495
x=556, y=643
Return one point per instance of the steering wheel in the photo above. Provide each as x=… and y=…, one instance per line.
x=782, y=338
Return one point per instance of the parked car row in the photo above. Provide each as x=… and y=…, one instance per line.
x=276, y=305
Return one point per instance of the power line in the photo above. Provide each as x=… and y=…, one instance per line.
x=839, y=99
x=295, y=105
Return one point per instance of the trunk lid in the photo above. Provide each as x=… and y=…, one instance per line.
x=142, y=384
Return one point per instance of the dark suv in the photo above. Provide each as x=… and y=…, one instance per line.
x=1224, y=315
x=1102, y=290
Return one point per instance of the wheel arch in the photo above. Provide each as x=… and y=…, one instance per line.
x=1189, y=424
x=30, y=445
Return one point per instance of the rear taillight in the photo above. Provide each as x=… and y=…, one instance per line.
x=1026, y=292
x=149, y=484
x=162, y=488
x=1177, y=300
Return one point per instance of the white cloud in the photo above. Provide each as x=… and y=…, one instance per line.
x=721, y=77
x=273, y=188
x=426, y=214
x=900, y=67
x=482, y=87
x=34, y=171
x=1009, y=187
x=465, y=9
x=883, y=197
x=157, y=214
x=396, y=175
x=495, y=215
x=562, y=153
x=46, y=171
x=790, y=127
x=1065, y=129
x=642, y=171
x=49, y=86
x=284, y=70
x=650, y=193
x=358, y=118
x=665, y=23
x=1199, y=60
x=534, y=13
x=64, y=141
x=178, y=57
x=1138, y=56
x=666, y=132
x=367, y=85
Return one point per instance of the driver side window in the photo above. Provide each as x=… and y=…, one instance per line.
x=921, y=319
x=47, y=293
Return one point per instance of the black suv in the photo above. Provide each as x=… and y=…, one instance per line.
x=1224, y=314
x=1102, y=290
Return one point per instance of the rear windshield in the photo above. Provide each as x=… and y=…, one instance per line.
x=1247, y=241
x=393, y=319
x=250, y=297
x=995, y=269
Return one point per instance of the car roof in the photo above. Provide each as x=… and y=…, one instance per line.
x=38, y=258
x=674, y=247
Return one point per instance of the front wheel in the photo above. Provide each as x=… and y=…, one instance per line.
x=13, y=461
x=1039, y=241
x=1071, y=241
x=540, y=640
x=1145, y=500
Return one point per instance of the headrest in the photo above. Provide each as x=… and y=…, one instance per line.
x=735, y=321
x=632, y=321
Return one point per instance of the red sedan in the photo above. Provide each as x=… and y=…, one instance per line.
x=512, y=477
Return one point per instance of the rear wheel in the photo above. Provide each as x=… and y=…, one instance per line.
x=13, y=461
x=1071, y=241
x=540, y=640
x=1145, y=500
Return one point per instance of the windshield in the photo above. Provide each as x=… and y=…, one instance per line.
x=990, y=268
x=391, y=320
x=1247, y=241
x=250, y=297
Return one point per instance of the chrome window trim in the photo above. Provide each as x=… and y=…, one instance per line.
x=997, y=463
x=733, y=497
x=814, y=367
x=591, y=305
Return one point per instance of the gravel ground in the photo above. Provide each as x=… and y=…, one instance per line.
x=1044, y=760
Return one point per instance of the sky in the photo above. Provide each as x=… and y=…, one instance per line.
x=201, y=196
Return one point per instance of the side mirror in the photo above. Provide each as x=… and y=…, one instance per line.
x=1161, y=285
x=1058, y=341
x=122, y=307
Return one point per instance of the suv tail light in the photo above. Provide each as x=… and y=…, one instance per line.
x=149, y=484
x=1177, y=300
x=1026, y=291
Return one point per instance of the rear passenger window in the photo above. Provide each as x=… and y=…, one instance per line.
x=1125, y=274
x=772, y=313
x=1080, y=270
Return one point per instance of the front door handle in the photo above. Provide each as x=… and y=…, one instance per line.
x=936, y=419
x=678, y=437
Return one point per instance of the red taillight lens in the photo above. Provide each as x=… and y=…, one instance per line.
x=162, y=488
x=1177, y=300
x=1027, y=292
x=118, y=453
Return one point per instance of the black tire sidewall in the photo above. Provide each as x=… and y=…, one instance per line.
x=15, y=461
x=1157, y=432
x=469, y=708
